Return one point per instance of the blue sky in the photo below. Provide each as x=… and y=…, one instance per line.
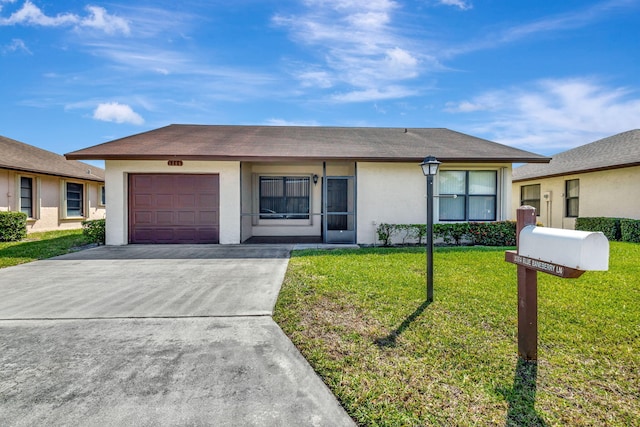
x=540, y=75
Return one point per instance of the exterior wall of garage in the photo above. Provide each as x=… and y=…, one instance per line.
x=116, y=185
x=395, y=193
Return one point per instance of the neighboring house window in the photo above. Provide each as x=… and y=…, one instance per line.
x=530, y=195
x=103, y=199
x=27, y=201
x=572, y=192
x=284, y=197
x=476, y=195
x=74, y=199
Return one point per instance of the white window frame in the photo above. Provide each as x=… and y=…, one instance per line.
x=35, y=195
x=63, y=199
x=102, y=201
x=497, y=196
x=257, y=221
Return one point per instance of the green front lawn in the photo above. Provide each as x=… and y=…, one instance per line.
x=40, y=246
x=360, y=319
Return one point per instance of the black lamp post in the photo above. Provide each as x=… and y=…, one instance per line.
x=430, y=168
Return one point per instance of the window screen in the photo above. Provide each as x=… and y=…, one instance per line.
x=284, y=197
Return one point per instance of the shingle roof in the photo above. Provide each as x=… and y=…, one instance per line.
x=617, y=151
x=16, y=155
x=272, y=143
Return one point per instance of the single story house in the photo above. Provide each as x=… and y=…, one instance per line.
x=232, y=184
x=54, y=192
x=600, y=179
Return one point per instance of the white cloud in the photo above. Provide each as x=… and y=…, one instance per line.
x=14, y=46
x=358, y=48
x=553, y=114
x=283, y=122
x=460, y=4
x=118, y=113
x=577, y=18
x=98, y=18
x=374, y=94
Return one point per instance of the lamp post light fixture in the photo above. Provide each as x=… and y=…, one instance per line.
x=430, y=168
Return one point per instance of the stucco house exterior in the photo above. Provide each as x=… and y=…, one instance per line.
x=600, y=179
x=54, y=192
x=233, y=184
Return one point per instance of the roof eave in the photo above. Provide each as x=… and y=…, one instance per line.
x=88, y=177
x=577, y=172
x=80, y=156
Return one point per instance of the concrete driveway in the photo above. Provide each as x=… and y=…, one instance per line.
x=154, y=335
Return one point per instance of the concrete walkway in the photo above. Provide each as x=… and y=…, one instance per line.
x=154, y=335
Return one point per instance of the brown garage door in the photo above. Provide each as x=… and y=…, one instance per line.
x=173, y=208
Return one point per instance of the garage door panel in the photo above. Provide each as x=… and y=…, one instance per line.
x=206, y=234
x=164, y=200
x=208, y=217
x=186, y=218
x=187, y=201
x=164, y=217
x=173, y=208
x=144, y=217
x=143, y=200
x=142, y=182
x=207, y=200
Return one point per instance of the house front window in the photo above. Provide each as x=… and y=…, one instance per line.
x=476, y=195
x=102, y=195
x=572, y=195
x=284, y=197
x=74, y=199
x=530, y=195
x=26, y=196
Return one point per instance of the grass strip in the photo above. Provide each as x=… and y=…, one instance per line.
x=40, y=245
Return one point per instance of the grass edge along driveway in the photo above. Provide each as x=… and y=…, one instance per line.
x=41, y=245
x=360, y=319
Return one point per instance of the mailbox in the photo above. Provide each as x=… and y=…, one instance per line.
x=580, y=250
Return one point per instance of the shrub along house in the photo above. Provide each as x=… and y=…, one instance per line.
x=54, y=192
x=599, y=179
x=232, y=184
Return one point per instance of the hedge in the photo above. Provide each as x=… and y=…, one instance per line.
x=13, y=226
x=609, y=226
x=499, y=233
x=630, y=230
x=94, y=230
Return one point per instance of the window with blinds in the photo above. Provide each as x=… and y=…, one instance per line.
x=476, y=195
x=572, y=192
x=284, y=197
x=530, y=195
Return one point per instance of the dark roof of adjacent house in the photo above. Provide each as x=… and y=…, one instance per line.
x=278, y=143
x=18, y=156
x=617, y=151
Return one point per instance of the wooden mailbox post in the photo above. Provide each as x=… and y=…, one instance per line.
x=562, y=253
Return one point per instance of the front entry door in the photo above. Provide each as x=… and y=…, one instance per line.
x=339, y=210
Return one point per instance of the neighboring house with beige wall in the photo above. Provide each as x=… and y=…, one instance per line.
x=54, y=192
x=233, y=184
x=600, y=179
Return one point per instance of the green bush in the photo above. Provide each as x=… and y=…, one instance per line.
x=630, y=230
x=94, y=230
x=13, y=226
x=454, y=233
x=609, y=226
x=499, y=233
x=385, y=232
